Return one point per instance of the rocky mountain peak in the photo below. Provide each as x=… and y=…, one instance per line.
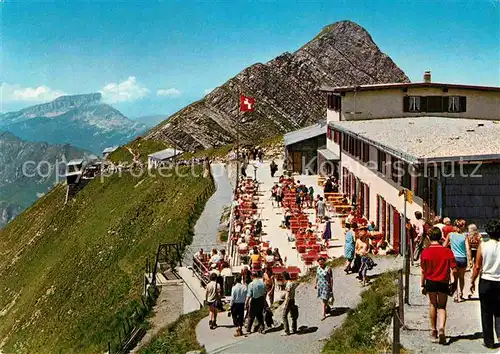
x=286, y=90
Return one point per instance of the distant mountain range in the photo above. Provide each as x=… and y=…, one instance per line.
x=80, y=120
x=20, y=182
x=286, y=90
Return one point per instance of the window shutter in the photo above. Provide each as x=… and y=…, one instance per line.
x=406, y=104
x=446, y=104
x=367, y=197
x=463, y=104
x=378, y=211
x=397, y=222
x=423, y=104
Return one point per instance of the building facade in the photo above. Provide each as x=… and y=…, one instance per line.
x=441, y=142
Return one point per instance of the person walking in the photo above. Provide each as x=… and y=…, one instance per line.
x=269, y=278
x=362, y=250
x=350, y=247
x=289, y=305
x=320, y=209
x=324, y=285
x=256, y=298
x=438, y=271
x=473, y=239
x=238, y=298
x=273, y=167
x=213, y=293
x=327, y=232
x=487, y=266
x=460, y=250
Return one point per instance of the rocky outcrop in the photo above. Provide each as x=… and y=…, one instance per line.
x=81, y=120
x=286, y=90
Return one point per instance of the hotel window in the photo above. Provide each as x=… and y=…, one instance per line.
x=454, y=104
x=333, y=102
x=395, y=166
x=366, y=152
x=336, y=137
x=358, y=149
x=414, y=104
x=380, y=161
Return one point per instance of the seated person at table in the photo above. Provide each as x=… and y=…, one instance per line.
x=372, y=226
x=269, y=257
x=242, y=245
x=200, y=254
x=222, y=254
x=256, y=259
x=214, y=269
x=310, y=228
x=248, y=234
x=258, y=227
x=349, y=218
x=288, y=215
x=215, y=257
x=344, y=200
x=277, y=257
x=383, y=248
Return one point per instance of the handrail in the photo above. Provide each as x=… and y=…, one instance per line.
x=230, y=246
x=190, y=289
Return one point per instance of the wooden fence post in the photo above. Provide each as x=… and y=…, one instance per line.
x=395, y=331
x=407, y=277
x=400, y=297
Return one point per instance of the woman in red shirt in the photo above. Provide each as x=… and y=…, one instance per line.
x=438, y=271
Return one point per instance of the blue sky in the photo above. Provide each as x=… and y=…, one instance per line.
x=156, y=57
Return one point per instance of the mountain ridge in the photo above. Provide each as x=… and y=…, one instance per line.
x=286, y=90
x=81, y=120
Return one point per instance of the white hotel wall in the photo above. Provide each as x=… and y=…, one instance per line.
x=379, y=185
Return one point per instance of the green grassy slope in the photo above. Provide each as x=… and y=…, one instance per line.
x=68, y=273
x=143, y=146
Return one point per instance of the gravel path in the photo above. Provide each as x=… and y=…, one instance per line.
x=463, y=327
x=314, y=331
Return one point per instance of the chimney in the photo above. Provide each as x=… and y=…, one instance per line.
x=427, y=77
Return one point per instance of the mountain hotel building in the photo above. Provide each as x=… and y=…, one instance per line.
x=441, y=141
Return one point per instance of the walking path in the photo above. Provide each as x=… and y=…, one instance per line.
x=312, y=331
x=463, y=325
x=206, y=229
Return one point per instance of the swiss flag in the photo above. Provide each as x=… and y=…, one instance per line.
x=246, y=103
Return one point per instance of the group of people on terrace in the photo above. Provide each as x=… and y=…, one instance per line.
x=448, y=252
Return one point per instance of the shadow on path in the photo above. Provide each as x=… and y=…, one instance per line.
x=306, y=330
x=337, y=311
x=477, y=335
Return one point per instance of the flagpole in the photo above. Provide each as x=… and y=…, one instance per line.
x=238, y=144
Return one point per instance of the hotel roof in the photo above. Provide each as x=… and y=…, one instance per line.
x=305, y=133
x=402, y=85
x=165, y=154
x=422, y=139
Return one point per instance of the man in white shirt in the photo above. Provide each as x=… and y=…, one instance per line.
x=215, y=258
